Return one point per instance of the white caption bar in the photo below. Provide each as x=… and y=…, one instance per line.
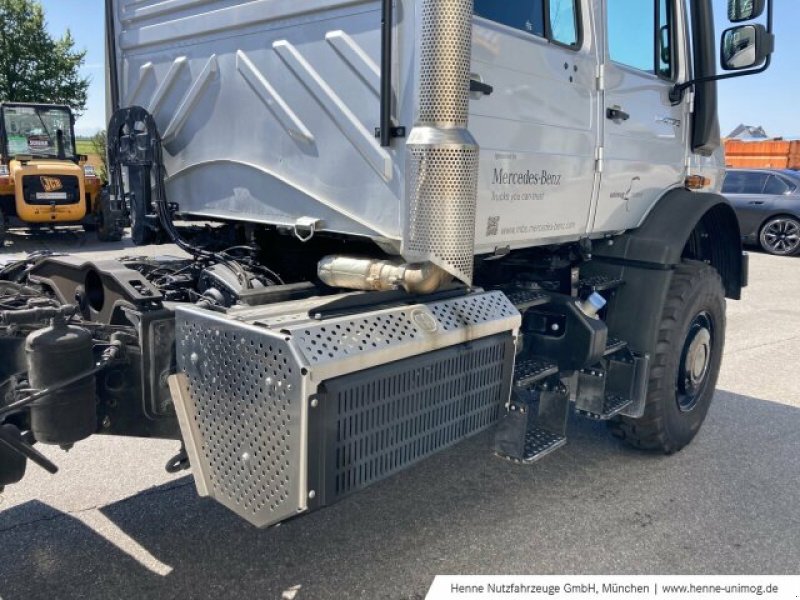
x=640, y=587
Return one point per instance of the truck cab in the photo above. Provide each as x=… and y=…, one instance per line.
x=42, y=178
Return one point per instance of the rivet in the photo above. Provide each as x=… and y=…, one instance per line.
x=312, y=494
x=314, y=403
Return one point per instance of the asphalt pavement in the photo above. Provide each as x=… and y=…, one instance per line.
x=113, y=524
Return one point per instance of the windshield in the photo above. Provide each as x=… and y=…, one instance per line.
x=33, y=130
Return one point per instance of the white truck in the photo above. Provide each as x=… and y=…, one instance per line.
x=430, y=217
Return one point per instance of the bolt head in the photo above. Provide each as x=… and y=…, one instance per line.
x=314, y=403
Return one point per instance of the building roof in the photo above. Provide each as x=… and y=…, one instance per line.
x=748, y=132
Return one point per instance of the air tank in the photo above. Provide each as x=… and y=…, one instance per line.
x=55, y=354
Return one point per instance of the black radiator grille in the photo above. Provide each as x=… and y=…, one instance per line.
x=382, y=420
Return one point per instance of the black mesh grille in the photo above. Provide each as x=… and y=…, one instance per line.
x=382, y=420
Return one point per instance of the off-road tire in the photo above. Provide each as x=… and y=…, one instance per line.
x=108, y=227
x=696, y=290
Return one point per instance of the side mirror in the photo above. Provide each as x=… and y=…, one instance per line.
x=745, y=10
x=745, y=47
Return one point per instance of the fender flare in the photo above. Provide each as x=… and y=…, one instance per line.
x=685, y=225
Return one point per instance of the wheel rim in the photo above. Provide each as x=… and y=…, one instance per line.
x=781, y=236
x=695, y=364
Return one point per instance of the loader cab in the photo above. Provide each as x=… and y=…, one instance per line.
x=39, y=131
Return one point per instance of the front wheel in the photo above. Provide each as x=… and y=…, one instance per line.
x=685, y=365
x=781, y=236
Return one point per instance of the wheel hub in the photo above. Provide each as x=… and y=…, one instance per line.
x=781, y=236
x=695, y=362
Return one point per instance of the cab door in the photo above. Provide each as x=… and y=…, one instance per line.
x=537, y=122
x=644, y=134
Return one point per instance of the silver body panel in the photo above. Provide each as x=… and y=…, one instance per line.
x=269, y=108
x=246, y=379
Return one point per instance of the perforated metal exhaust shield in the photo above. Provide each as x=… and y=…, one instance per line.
x=442, y=156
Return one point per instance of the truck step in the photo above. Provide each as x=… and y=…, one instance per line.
x=525, y=299
x=529, y=371
x=598, y=283
x=612, y=406
x=540, y=442
x=614, y=345
x=535, y=424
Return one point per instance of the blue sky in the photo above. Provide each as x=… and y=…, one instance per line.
x=768, y=99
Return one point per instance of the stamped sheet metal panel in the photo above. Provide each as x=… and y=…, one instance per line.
x=268, y=107
x=538, y=135
x=246, y=413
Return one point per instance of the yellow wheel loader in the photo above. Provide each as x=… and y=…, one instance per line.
x=43, y=180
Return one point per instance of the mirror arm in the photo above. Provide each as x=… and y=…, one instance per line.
x=676, y=93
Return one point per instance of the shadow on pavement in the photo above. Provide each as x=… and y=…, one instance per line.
x=726, y=504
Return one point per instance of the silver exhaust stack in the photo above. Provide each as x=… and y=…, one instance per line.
x=441, y=154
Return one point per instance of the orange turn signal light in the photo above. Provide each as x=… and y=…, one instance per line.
x=697, y=182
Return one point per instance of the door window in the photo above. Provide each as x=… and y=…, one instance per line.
x=563, y=22
x=744, y=182
x=665, y=51
x=754, y=183
x=556, y=20
x=777, y=186
x=734, y=183
x=525, y=15
x=641, y=35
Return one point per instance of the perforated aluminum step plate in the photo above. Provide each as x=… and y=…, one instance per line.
x=612, y=406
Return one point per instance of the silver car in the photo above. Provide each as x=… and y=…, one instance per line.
x=767, y=203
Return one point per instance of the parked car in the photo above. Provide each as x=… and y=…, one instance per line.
x=767, y=203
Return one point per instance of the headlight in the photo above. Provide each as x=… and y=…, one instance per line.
x=3, y=170
x=88, y=171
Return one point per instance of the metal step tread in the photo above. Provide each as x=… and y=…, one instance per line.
x=599, y=283
x=525, y=299
x=540, y=442
x=612, y=406
x=529, y=371
x=614, y=345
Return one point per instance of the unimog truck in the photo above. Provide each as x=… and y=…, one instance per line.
x=43, y=180
x=426, y=218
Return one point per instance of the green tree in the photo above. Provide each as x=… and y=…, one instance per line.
x=99, y=143
x=35, y=66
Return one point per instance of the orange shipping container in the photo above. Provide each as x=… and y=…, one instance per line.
x=769, y=154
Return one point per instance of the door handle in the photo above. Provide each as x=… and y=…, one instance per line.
x=756, y=202
x=615, y=113
x=480, y=87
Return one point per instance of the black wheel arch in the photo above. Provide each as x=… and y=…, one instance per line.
x=686, y=225
x=682, y=226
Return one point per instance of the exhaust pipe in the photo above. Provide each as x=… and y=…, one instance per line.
x=441, y=154
x=376, y=275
